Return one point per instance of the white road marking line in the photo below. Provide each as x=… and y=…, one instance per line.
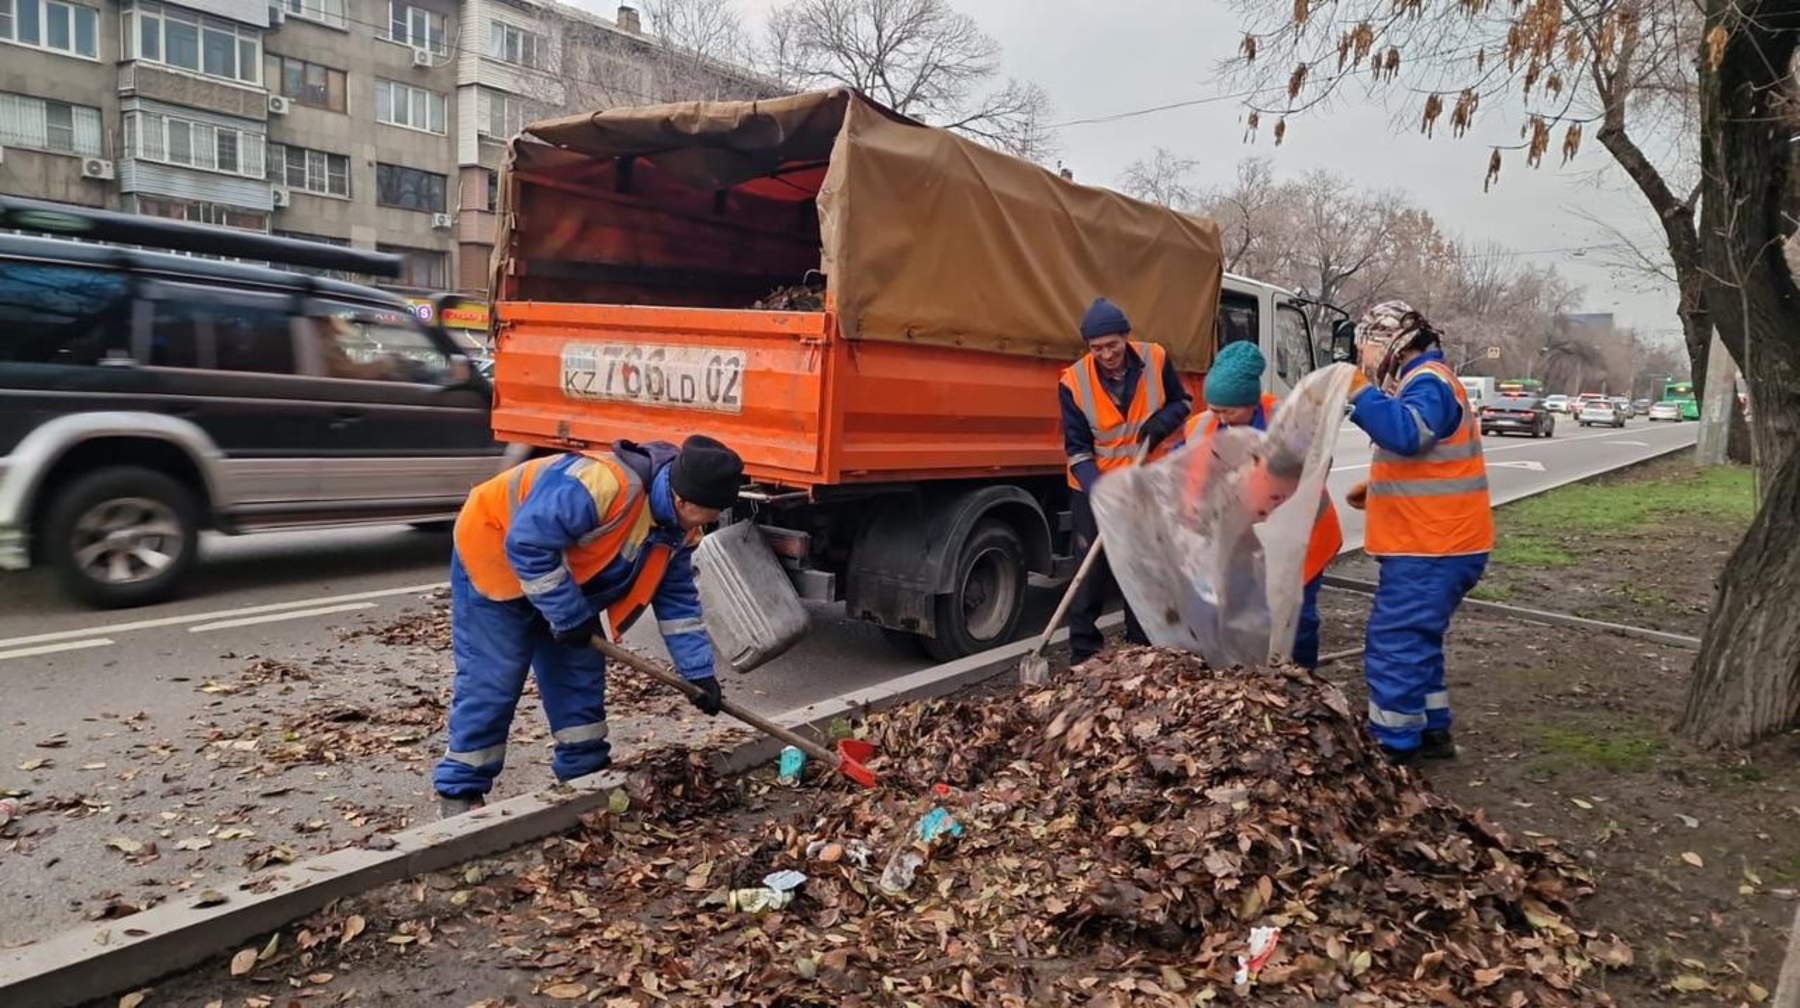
x=1530, y=443
x=167, y=621
x=1522, y=464
x=278, y=617
x=78, y=645
x=1636, y=444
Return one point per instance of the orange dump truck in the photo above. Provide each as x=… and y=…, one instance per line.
x=873, y=312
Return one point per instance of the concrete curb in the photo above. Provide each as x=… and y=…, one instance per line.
x=1537, y=616
x=94, y=961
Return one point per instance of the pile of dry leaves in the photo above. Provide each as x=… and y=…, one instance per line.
x=429, y=629
x=1121, y=835
x=799, y=297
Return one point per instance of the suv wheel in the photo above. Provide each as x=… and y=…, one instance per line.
x=122, y=536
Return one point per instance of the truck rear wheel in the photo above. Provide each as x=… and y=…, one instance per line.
x=983, y=608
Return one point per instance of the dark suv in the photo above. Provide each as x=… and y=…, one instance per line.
x=146, y=396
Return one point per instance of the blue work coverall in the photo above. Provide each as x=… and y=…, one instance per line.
x=494, y=643
x=1416, y=595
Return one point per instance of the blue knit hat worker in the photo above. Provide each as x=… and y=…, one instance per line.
x=1233, y=388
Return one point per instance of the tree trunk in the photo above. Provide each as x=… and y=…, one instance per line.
x=1746, y=682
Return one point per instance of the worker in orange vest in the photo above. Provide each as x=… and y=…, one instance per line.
x=1234, y=398
x=548, y=555
x=1430, y=524
x=1122, y=394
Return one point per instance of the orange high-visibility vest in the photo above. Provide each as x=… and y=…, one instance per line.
x=482, y=525
x=1116, y=433
x=1434, y=503
x=1327, y=535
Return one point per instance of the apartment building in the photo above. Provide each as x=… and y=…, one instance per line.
x=370, y=123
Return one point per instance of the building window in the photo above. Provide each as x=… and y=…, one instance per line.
x=204, y=213
x=515, y=45
x=409, y=188
x=49, y=125
x=329, y=12
x=179, y=38
x=309, y=84
x=309, y=170
x=501, y=116
x=414, y=108
x=493, y=190
x=51, y=24
x=423, y=268
x=416, y=27
x=157, y=137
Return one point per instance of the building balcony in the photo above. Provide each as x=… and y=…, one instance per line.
x=177, y=87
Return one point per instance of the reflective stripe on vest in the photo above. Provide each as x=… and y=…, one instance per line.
x=486, y=516
x=1327, y=534
x=1434, y=503
x=1115, y=433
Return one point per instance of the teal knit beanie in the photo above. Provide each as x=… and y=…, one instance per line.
x=1236, y=376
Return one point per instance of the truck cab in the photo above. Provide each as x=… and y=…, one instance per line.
x=1275, y=318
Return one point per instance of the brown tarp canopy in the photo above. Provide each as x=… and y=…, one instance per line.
x=923, y=234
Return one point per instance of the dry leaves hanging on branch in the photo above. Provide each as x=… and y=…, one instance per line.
x=1463, y=115
x=1571, y=142
x=1434, y=107
x=1538, y=141
x=1296, y=81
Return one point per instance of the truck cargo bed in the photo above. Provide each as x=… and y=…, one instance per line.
x=802, y=405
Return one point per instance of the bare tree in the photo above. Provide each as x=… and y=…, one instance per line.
x=1619, y=70
x=1164, y=178
x=702, y=51
x=1250, y=219
x=922, y=58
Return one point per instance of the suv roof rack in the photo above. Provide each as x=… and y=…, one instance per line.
x=65, y=221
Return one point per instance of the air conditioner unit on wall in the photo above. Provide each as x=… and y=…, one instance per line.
x=96, y=168
x=279, y=105
x=283, y=196
x=422, y=58
x=442, y=221
x=277, y=17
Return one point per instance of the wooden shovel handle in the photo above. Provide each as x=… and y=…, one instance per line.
x=754, y=720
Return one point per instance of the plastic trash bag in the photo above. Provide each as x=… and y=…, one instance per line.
x=1209, y=543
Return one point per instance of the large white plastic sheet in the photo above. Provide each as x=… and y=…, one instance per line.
x=1208, y=543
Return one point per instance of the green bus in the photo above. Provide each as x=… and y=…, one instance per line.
x=1521, y=387
x=1682, y=395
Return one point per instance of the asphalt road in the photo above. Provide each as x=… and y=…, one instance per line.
x=175, y=747
x=278, y=592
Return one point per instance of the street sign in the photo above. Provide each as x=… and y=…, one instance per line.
x=1493, y=353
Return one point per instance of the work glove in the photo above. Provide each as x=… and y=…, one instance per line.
x=1358, y=497
x=710, y=696
x=581, y=634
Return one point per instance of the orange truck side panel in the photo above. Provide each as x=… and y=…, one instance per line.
x=817, y=409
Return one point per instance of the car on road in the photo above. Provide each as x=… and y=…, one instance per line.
x=1558, y=403
x=1665, y=411
x=1624, y=405
x=1600, y=412
x=145, y=397
x=1518, y=415
x=1640, y=406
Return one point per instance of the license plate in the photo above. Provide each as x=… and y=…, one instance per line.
x=672, y=377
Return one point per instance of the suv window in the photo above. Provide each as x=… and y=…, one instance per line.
x=197, y=326
x=1237, y=319
x=60, y=314
x=250, y=337
x=376, y=344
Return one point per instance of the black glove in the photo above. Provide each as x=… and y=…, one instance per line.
x=581, y=634
x=710, y=696
x=1152, y=433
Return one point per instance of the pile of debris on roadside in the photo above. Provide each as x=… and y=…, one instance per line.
x=1147, y=831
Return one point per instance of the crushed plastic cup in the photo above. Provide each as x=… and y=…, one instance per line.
x=793, y=761
x=784, y=881
x=9, y=810
x=757, y=899
x=1262, y=948
x=936, y=824
x=901, y=869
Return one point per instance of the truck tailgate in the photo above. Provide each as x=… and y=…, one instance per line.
x=586, y=375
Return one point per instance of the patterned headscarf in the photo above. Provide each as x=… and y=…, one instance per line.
x=1381, y=334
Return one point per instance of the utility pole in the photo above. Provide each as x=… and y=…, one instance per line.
x=1718, y=400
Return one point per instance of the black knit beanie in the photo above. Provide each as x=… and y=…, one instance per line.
x=706, y=473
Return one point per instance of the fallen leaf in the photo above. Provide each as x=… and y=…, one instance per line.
x=1756, y=993
x=618, y=802
x=243, y=962
x=1688, y=983
x=236, y=833
x=93, y=766
x=1694, y=859
x=36, y=764
x=209, y=897
x=1687, y=820
x=1360, y=962
x=565, y=991
x=268, y=951
x=193, y=843
x=1751, y=877
x=319, y=978
x=401, y=939
x=132, y=1000
x=125, y=845
x=1582, y=804
x=353, y=926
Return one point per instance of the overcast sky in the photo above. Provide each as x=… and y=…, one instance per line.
x=1101, y=57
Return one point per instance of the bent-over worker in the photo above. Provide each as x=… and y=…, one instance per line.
x=1121, y=394
x=1430, y=524
x=552, y=552
x=1234, y=398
